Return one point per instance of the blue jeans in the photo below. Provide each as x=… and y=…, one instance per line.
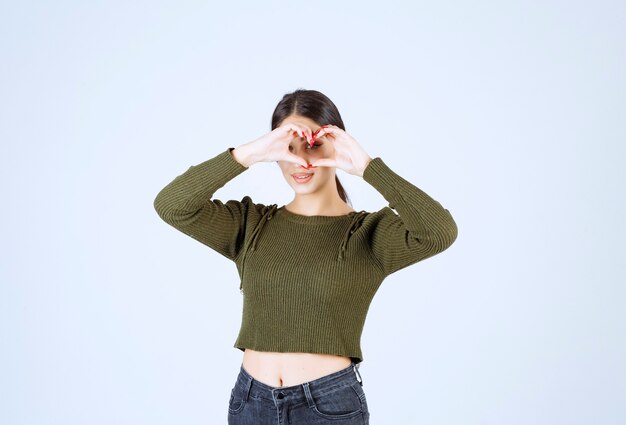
x=337, y=398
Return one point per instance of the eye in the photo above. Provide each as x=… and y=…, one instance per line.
x=315, y=146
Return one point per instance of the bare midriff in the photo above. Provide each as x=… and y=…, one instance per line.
x=287, y=369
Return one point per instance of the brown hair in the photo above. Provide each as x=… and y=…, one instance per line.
x=316, y=106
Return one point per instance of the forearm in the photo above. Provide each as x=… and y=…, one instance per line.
x=191, y=190
x=422, y=215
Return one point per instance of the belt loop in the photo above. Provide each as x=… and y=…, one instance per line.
x=248, y=385
x=307, y=394
x=355, y=366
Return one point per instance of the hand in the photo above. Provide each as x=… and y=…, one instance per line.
x=274, y=146
x=348, y=154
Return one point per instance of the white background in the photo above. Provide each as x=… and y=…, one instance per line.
x=511, y=114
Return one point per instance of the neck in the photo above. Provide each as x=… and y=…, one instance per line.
x=326, y=202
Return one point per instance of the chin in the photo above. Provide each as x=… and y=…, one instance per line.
x=304, y=190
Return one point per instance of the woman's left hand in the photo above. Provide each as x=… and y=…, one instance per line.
x=348, y=154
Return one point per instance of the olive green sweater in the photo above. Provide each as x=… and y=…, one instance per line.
x=307, y=281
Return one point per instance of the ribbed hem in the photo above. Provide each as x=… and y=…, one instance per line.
x=229, y=150
x=275, y=347
x=233, y=161
x=375, y=170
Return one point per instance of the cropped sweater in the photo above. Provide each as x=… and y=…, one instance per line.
x=307, y=281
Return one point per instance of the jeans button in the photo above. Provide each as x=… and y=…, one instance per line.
x=280, y=395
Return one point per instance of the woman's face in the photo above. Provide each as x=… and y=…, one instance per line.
x=322, y=148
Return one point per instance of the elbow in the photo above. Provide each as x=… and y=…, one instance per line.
x=451, y=233
x=173, y=212
x=158, y=204
x=445, y=235
x=162, y=207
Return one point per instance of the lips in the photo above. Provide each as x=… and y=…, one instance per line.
x=302, y=177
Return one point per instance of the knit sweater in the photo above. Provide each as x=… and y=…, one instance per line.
x=307, y=281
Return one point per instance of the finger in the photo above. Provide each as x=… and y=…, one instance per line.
x=292, y=133
x=294, y=158
x=324, y=130
x=325, y=162
x=298, y=133
x=316, y=134
x=294, y=129
x=309, y=135
x=289, y=128
x=319, y=129
x=305, y=133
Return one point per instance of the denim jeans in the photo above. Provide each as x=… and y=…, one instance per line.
x=337, y=398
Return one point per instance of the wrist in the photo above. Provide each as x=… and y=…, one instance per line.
x=364, y=167
x=242, y=155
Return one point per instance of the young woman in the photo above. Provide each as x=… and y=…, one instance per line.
x=309, y=269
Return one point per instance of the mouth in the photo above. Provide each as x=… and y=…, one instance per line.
x=302, y=177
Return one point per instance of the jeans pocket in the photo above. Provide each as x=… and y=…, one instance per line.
x=237, y=401
x=358, y=387
x=341, y=403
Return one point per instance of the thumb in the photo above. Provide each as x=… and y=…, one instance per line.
x=324, y=162
x=298, y=160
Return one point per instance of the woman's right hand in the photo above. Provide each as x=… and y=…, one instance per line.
x=274, y=146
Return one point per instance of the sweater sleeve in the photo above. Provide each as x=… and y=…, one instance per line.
x=420, y=229
x=186, y=204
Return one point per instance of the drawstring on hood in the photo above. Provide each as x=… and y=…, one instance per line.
x=355, y=223
x=266, y=215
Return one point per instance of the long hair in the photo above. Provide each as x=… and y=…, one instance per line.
x=316, y=106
